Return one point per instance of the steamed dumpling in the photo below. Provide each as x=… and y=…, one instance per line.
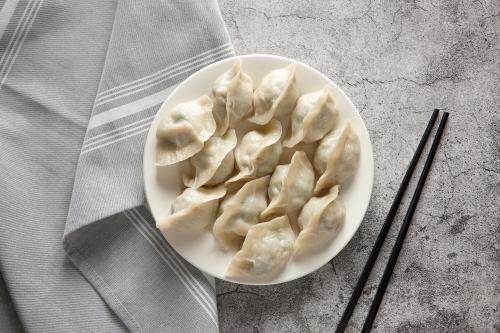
x=239, y=211
x=258, y=152
x=183, y=131
x=233, y=92
x=267, y=247
x=214, y=163
x=313, y=117
x=320, y=220
x=194, y=209
x=336, y=158
x=290, y=187
x=275, y=96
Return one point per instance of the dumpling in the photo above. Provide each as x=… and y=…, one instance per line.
x=267, y=247
x=290, y=187
x=184, y=130
x=313, y=116
x=275, y=96
x=233, y=92
x=214, y=163
x=258, y=152
x=336, y=158
x=194, y=209
x=320, y=220
x=239, y=211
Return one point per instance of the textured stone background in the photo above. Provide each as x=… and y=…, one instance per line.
x=396, y=60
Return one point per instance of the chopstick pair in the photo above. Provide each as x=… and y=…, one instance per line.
x=387, y=224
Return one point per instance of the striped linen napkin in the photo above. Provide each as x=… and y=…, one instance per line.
x=80, y=83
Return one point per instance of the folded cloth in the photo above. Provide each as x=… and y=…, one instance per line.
x=80, y=83
x=9, y=321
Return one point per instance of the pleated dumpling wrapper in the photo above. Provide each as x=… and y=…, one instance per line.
x=290, y=187
x=275, y=96
x=239, y=211
x=233, y=93
x=312, y=118
x=337, y=157
x=194, y=209
x=320, y=220
x=267, y=247
x=258, y=152
x=183, y=131
x=214, y=163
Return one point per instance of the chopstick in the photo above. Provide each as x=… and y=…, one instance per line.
x=385, y=228
x=404, y=229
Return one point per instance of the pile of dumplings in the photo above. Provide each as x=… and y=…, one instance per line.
x=254, y=219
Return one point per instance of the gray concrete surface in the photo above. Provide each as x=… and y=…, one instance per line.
x=396, y=60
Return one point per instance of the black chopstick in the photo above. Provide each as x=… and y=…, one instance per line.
x=385, y=228
x=404, y=229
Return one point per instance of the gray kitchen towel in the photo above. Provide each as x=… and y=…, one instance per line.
x=9, y=321
x=80, y=83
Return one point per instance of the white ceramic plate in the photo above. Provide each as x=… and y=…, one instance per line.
x=164, y=184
